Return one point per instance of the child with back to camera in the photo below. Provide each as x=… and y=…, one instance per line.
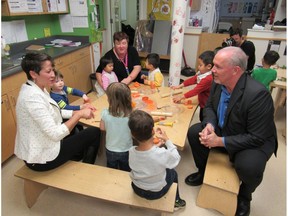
x=59, y=92
x=108, y=75
x=114, y=121
x=152, y=167
x=203, y=80
x=266, y=75
x=154, y=75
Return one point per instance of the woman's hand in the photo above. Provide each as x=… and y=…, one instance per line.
x=89, y=106
x=86, y=113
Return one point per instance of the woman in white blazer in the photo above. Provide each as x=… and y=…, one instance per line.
x=43, y=140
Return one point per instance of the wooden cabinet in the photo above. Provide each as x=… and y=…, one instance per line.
x=10, y=90
x=76, y=68
x=40, y=7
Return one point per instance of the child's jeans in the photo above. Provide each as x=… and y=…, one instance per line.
x=171, y=176
x=118, y=160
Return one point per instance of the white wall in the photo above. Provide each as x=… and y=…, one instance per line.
x=280, y=11
x=261, y=41
x=131, y=13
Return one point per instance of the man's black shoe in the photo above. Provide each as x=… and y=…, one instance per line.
x=243, y=208
x=195, y=179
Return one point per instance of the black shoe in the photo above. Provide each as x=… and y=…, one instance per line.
x=243, y=208
x=195, y=179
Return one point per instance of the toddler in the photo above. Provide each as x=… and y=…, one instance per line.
x=59, y=92
x=114, y=121
x=152, y=167
x=266, y=75
x=108, y=75
x=154, y=74
x=203, y=80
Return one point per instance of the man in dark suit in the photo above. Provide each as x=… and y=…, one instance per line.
x=238, y=119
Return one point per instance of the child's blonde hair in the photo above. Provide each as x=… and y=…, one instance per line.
x=119, y=99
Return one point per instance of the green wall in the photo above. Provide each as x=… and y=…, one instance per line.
x=35, y=24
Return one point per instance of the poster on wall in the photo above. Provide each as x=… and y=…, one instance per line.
x=161, y=9
x=237, y=8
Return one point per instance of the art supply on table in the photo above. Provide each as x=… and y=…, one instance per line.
x=173, y=93
x=165, y=123
x=158, y=113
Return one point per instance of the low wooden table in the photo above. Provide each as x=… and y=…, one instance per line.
x=181, y=121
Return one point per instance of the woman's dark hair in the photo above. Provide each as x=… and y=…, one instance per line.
x=141, y=125
x=33, y=62
x=118, y=36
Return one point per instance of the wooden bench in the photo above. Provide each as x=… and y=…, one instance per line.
x=93, y=181
x=220, y=185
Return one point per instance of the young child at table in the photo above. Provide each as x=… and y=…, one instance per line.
x=265, y=74
x=108, y=75
x=59, y=92
x=203, y=80
x=154, y=74
x=114, y=121
x=152, y=167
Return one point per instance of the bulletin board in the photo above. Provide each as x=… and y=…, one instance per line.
x=161, y=9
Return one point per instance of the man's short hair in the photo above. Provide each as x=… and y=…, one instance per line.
x=237, y=31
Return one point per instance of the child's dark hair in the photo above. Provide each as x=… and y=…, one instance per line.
x=105, y=61
x=207, y=57
x=237, y=31
x=141, y=125
x=271, y=57
x=119, y=99
x=153, y=59
x=33, y=62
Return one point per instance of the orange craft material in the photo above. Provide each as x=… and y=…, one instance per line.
x=136, y=84
x=156, y=140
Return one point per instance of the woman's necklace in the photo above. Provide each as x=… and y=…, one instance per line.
x=124, y=60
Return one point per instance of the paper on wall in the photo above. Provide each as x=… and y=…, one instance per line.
x=52, y=6
x=61, y=4
x=80, y=22
x=14, y=31
x=78, y=7
x=34, y=5
x=66, y=23
x=18, y=6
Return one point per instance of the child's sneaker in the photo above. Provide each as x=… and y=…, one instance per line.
x=179, y=204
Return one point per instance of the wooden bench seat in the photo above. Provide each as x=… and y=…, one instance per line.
x=93, y=181
x=220, y=185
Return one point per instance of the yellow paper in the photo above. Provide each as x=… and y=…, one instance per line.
x=47, y=32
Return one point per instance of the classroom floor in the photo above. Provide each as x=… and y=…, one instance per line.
x=269, y=199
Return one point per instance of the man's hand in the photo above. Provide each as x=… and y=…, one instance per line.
x=209, y=138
